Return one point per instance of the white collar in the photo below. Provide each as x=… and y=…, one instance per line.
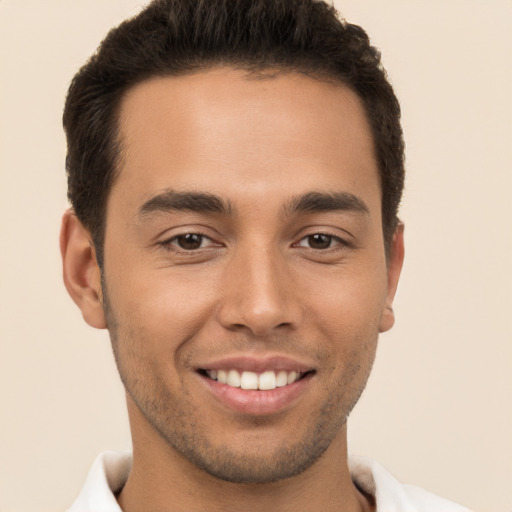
x=110, y=471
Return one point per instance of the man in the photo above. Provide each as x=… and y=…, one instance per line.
x=235, y=170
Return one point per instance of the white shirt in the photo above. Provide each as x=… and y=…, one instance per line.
x=110, y=470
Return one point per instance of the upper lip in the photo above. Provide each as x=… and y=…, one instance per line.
x=257, y=364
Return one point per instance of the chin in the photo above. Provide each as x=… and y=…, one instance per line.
x=286, y=462
x=257, y=455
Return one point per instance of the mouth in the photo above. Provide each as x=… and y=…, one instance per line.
x=254, y=385
x=250, y=380
x=257, y=386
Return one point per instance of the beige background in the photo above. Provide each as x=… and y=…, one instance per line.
x=437, y=411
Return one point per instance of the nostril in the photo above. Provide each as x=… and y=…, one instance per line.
x=258, y=311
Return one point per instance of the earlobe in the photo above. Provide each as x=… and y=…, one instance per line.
x=81, y=273
x=396, y=260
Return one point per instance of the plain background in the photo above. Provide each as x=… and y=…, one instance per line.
x=437, y=410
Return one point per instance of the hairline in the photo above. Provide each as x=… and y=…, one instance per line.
x=253, y=71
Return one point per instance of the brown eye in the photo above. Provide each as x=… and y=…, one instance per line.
x=190, y=241
x=319, y=241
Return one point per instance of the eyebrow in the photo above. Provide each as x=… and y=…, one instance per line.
x=203, y=202
x=313, y=202
x=170, y=200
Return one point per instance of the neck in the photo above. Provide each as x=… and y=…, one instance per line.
x=162, y=477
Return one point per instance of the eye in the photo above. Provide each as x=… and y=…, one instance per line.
x=190, y=241
x=320, y=241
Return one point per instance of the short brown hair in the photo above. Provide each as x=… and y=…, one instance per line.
x=174, y=37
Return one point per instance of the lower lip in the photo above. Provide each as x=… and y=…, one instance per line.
x=256, y=402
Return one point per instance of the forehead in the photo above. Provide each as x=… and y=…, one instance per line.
x=223, y=130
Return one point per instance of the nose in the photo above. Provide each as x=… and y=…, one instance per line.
x=259, y=293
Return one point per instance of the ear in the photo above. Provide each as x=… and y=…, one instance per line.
x=82, y=276
x=395, y=262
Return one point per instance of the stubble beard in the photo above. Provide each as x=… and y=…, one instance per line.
x=178, y=424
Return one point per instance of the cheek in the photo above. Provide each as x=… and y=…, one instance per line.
x=347, y=317
x=348, y=305
x=155, y=314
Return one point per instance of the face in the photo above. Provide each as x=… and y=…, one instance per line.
x=245, y=279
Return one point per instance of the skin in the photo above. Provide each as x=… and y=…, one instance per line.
x=258, y=283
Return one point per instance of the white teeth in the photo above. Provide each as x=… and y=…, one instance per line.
x=281, y=379
x=251, y=380
x=292, y=377
x=267, y=380
x=233, y=379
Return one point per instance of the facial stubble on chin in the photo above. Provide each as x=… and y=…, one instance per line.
x=179, y=425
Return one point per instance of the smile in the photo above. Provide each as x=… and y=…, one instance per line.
x=257, y=385
x=249, y=380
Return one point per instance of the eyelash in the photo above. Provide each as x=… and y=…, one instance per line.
x=172, y=244
x=340, y=243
